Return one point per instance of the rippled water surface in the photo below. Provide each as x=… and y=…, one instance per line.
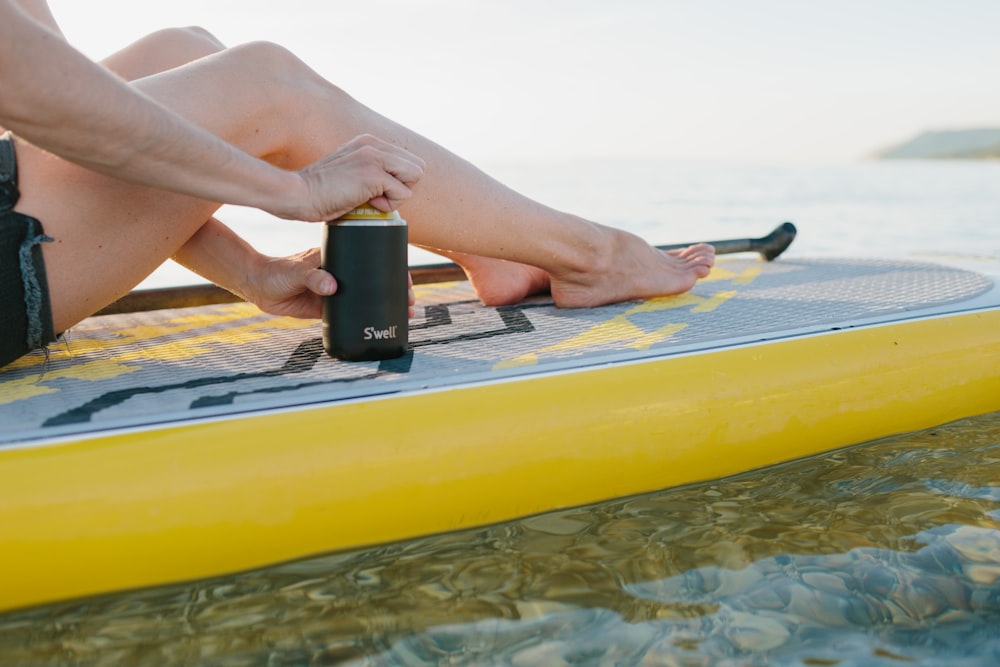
x=886, y=553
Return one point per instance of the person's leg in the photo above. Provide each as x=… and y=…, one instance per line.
x=110, y=234
x=500, y=282
x=41, y=173
x=162, y=50
x=457, y=209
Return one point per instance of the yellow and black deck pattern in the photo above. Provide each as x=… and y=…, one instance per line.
x=141, y=369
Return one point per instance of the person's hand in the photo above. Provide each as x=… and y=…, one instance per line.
x=295, y=286
x=364, y=170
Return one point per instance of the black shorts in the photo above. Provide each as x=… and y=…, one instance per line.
x=25, y=309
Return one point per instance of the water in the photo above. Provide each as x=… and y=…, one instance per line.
x=881, y=554
x=887, y=553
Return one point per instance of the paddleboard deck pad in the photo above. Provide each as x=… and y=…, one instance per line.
x=147, y=437
x=170, y=365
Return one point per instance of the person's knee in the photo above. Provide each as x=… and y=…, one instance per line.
x=197, y=33
x=267, y=57
x=277, y=80
x=275, y=67
x=187, y=37
x=163, y=50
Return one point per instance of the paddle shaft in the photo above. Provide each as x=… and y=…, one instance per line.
x=185, y=296
x=769, y=246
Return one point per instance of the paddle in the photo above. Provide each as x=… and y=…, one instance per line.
x=769, y=247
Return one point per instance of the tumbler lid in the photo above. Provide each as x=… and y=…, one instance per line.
x=368, y=212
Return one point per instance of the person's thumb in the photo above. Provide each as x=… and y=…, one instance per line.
x=320, y=282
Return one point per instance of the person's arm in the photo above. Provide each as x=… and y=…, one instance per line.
x=59, y=100
x=278, y=285
x=54, y=97
x=292, y=286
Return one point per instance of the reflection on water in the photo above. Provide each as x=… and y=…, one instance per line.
x=882, y=554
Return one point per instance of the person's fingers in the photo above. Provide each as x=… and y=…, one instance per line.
x=391, y=198
x=378, y=175
x=312, y=257
x=371, y=141
x=320, y=282
x=292, y=275
x=397, y=162
x=399, y=173
x=404, y=168
x=364, y=170
x=304, y=270
x=410, y=296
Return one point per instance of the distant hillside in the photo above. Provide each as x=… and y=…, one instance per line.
x=979, y=144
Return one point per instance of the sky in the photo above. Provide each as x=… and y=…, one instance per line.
x=705, y=80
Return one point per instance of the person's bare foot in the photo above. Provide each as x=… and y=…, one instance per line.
x=632, y=270
x=499, y=282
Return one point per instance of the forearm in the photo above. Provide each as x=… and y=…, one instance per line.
x=72, y=107
x=219, y=255
x=291, y=285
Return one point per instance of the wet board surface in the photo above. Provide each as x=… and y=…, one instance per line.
x=171, y=366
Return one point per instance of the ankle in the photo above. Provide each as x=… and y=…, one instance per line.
x=590, y=253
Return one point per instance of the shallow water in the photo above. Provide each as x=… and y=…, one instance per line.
x=886, y=553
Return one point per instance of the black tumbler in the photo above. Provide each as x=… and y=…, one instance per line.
x=366, y=320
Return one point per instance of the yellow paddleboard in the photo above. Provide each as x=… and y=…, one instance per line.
x=178, y=444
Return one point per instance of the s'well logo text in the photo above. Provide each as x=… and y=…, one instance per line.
x=371, y=333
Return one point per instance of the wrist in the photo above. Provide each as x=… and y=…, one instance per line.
x=251, y=266
x=283, y=195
